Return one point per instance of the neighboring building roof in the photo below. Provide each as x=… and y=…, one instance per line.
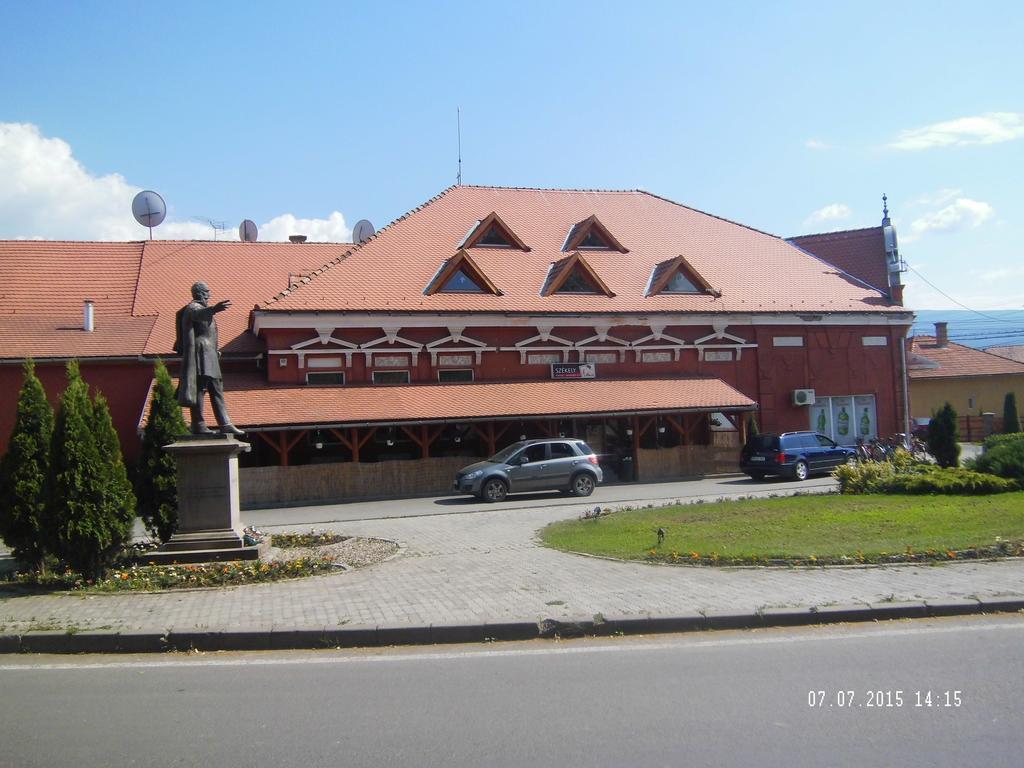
x=753, y=271
x=256, y=404
x=136, y=289
x=957, y=361
x=245, y=273
x=859, y=252
x=1014, y=352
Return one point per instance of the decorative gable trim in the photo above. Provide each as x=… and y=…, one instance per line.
x=455, y=336
x=666, y=270
x=461, y=260
x=482, y=227
x=582, y=230
x=561, y=271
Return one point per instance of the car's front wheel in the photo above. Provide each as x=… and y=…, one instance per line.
x=494, y=490
x=582, y=484
x=800, y=470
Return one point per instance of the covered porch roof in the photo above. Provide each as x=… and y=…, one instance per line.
x=257, y=406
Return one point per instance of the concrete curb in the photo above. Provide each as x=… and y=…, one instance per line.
x=264, y=638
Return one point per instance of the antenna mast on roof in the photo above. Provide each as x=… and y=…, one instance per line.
x=219, y=227
x=458, y=119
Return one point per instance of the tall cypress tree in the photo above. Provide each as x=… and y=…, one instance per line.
x=1011, y=421
x=156, y=482
x=116, y=502
x=944, y=437
x=91, y=507
x=24, y=471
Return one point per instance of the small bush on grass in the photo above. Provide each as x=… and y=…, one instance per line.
x=952, y=481
x=1005, y=459
x=993, y=440
x=944, y=437
x=1011, y=422
x=865, y=477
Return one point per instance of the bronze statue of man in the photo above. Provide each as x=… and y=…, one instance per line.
x=200, y=361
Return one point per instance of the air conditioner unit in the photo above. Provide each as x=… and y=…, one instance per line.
x=803, y=397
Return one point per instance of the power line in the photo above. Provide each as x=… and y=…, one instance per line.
x=958, y=303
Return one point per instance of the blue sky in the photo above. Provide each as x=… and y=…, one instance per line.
x=789, y=117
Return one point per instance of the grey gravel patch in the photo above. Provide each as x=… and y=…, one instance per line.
x=354, y=553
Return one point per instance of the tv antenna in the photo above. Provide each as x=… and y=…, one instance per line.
x=149, y=209
x=458, y=120
x=218, y=227
x=247, y=231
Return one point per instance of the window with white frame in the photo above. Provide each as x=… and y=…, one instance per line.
x=326, y=378
x=390, y=377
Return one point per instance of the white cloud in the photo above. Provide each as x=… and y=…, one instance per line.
x=816, y=144
x=940, y=197
x=963, y=213
x=828, y=214
x=45, y=193
x=989, y=128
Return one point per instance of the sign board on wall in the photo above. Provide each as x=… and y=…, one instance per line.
x=573, y=371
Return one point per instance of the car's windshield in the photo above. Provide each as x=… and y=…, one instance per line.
x=502, y=456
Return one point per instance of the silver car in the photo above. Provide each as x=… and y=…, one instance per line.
x=564, y=464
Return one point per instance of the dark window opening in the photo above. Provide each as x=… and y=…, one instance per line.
x=390, y=377
x=494, y=236
x=455, y=374
x=326, y=379
x=577, y=283
x=594, y=239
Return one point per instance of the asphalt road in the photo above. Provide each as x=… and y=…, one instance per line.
x=844, y=695
x=711, y=488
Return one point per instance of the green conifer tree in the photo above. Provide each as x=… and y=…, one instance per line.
x=91, y=507
x=156, y=481
x=24, y=472
x=1011, y=421
x=944, y=437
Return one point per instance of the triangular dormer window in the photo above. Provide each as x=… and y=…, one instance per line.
x=460, y=274
x=591, y=234
x=492, y=232
x=460, y=282
x=677, y=276
x=574, y=275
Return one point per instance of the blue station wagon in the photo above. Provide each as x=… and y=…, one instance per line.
x=793, y=454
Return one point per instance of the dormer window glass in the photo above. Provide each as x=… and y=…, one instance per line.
x=576, y=282
x=680, y=283
x=594, y=240
x=494, y=237
x=460, y=282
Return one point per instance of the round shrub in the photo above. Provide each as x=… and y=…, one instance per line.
x=1005, y=459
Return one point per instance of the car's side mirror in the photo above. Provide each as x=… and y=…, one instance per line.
x=523, y=460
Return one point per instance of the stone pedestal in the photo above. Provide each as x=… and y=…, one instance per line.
x=209, y=524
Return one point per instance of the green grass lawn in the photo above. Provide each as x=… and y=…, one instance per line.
x=806, y=529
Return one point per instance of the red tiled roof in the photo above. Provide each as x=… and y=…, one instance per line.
x=41, y=337
x=1012, y=352
x=754, y=271
x=958, y=361
x=136, y=288
x=50, y=278
x=253, y=403
x=860, y=252
x=245, y=273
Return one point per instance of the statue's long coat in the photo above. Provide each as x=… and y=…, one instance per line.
x=197, y=343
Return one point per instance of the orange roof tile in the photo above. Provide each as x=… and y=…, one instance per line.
x=253, y=403
x=1012, y=352
x=42, y=337
x=860, y=252
x=754, y=271
x=245, y=273
x=136, y=289
x=957, y=361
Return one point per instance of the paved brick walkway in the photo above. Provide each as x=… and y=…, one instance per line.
x=488, y=567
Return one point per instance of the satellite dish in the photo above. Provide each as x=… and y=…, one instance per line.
x=364, y=231
x=247, y=231
x=149, y=209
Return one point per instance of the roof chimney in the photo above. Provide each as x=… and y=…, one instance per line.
x=297, y=238
x=941, y=334
x=88, y=317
